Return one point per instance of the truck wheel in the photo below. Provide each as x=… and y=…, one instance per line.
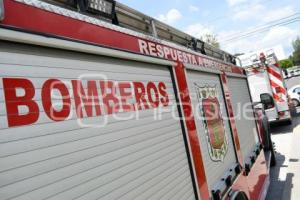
x=269, y=146
x=289, y=122
x=273, y=156
x=267, y=136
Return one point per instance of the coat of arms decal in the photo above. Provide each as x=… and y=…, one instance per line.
x=213, y=122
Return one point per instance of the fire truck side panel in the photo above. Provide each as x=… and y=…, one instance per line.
x=107, y=156
x=244, y=118
x=204, y=87
x=259, y=84
x=259, y=179
x=82, y=118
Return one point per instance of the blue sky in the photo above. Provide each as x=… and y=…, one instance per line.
x=229, y=19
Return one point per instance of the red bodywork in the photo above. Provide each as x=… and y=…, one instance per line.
x=191, y=129
x=224, y=81
x=259, y=115
x=255, y=185
x=31, y=19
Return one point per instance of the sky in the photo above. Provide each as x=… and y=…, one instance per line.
x=229, y=20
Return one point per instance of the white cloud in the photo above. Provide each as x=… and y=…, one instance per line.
x=279, y=34
x=171, y=17
x=278, y=13
x=193, y=8
x=276, y=36
x=253, y=11
x=235, y=2
x=198, y=30
x=257, y=11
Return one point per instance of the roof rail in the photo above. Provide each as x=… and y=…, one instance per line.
x=135, y=20
x=124, y=16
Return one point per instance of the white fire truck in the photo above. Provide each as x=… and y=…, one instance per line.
x=267, y=85
x=99, y=101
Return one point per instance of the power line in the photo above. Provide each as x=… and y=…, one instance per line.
x=263, y=26
x=261, y=30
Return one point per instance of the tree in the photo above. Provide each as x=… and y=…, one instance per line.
x=296, y=53
x=296, y=44
x=287, y=63
x=211, y=39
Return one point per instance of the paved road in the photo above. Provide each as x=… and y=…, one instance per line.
x=292, y=81
x=284, y=137
x=285, y=176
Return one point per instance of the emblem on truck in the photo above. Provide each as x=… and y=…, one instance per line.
x=213, y=123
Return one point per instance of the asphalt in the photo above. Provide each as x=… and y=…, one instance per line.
x=292, y=81
x=285, y=176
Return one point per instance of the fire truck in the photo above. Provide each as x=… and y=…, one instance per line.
x=267, y=85
x=99, y=101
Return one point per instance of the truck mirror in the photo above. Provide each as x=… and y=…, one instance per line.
x=267, y=100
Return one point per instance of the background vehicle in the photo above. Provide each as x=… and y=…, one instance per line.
x=286, y=74
x=267, y=85
x=293, y=71
x=70, y=79
x=294, y=93
x=297, y=72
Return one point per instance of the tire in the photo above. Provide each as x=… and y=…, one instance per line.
x=267, y=136
x=269, y=146
x=273, y=156
x=289, y=122
x=295, y=102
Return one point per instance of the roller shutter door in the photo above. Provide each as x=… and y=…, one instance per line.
x=124, y=155
x=244, y=117
x=218, y=158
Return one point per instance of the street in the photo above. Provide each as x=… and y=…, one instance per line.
x=292, y=81
x=285, y=176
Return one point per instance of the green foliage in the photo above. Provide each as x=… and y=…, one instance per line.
x=296, y=57
x=296, y=44
x=287, y=63
x=296, y=53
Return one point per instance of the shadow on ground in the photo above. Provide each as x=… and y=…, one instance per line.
x=281, y=186
x=277, y=186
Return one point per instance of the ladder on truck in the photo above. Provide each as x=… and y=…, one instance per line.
x=123, y=16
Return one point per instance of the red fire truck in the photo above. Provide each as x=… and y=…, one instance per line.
x=99, y=101
x=267, y=85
